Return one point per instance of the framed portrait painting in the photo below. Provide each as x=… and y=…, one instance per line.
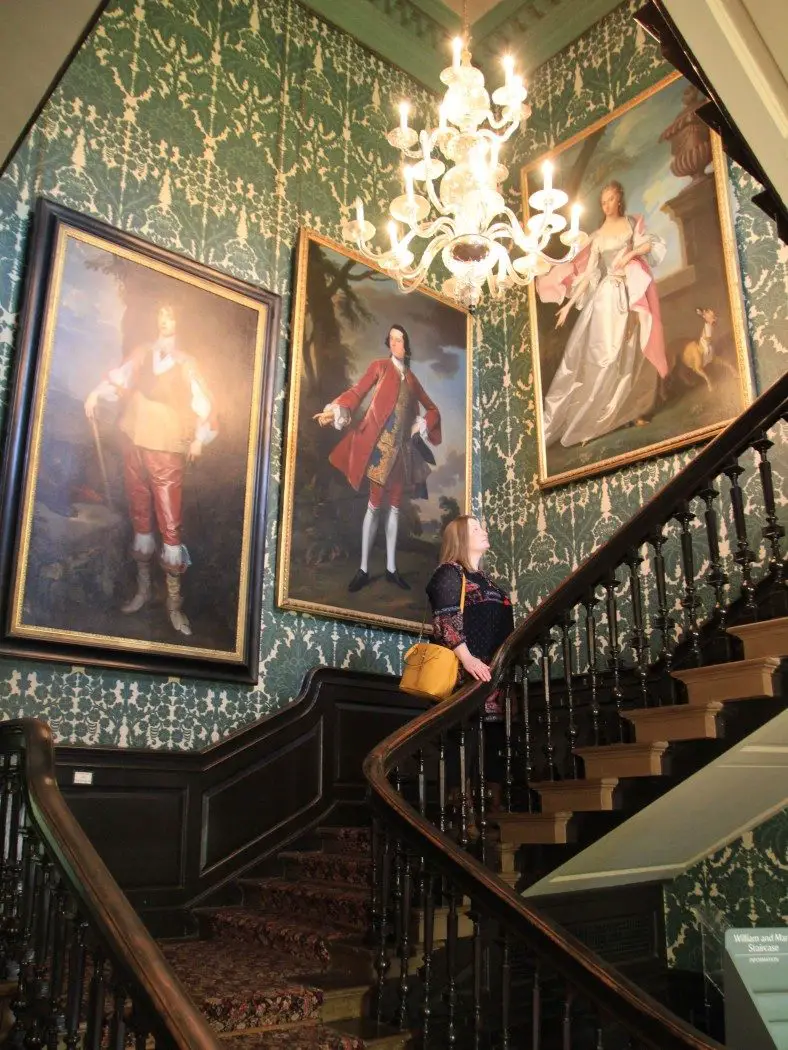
x=135, y=469
x=378, y=454
x=640, y=344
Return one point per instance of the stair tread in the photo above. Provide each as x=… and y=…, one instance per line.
x=240, y=985
x=324, y=888
x=295, y=1037
x=256, y=919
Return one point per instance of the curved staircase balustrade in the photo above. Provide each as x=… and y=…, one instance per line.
x=86, y=969
x=616, y=647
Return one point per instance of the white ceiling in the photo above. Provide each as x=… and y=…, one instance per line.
x=476, y=8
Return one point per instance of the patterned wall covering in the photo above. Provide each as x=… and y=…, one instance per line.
x=538, y=539
x=216, y=129
x=741, y=885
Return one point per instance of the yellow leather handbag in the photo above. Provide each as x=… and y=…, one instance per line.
x=430, y=668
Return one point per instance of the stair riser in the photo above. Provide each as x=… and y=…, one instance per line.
x=346, y=840
x=304, y=905
x=739, y=680
x=314, y=949
x=343, y=868
x=763, y=639
x=680, y=722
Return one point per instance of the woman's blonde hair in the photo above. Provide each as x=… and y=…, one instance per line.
x=455, y=541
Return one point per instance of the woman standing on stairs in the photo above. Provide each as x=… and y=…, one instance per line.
x=475, y=631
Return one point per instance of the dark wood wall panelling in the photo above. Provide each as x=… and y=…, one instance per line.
x=176, y=828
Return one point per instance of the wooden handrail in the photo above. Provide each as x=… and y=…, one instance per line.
x=645, y=1018
x=104, y=905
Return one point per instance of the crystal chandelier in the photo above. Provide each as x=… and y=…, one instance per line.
x=458, y=208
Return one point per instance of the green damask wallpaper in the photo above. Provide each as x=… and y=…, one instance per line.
x=539, y=538
x=217, y=129
x=741, y=885
x=214, y=129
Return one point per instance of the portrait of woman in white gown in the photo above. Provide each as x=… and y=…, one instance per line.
x=609, y=373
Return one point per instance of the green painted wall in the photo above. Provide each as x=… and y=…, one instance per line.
x=744, y=884
x=216, y=130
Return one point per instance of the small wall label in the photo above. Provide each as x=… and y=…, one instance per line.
x=83, y=776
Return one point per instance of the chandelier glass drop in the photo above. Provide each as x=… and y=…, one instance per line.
x=455, y=204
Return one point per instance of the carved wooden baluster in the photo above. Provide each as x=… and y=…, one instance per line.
x=524, y=748
x=42, y=920
x=10, y=891
x=506, y=992
x=536, y=1010
x=382, y=959
x=716, y=577
x=546, y=644
x=442, y=782
x=57, y=964
x=97, y=989
x=614, y=660
x=397, y=888
x=76, y=980
x=481, y=793
x=404, y=941
x=375, y=843
x=508, y=751
x=639, y=644
x=428, y=944
x=663, y=621
x=451, y=969
x=478, y=1021
x=743, y=556
x=566, y=625
x=117, y=1030
x=689, y=601
x=464, y=799
x=772, y=531
x=566, y=1021
x=589, y=604
x=30, y=893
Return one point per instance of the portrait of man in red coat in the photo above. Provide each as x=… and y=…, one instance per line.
x=383, y=445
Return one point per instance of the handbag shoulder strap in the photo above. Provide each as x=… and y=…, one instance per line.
x=462, y=592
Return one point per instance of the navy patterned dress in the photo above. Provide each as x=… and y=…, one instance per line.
x=485, y=623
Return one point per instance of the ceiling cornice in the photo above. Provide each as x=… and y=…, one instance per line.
x=406, y=33
x=413, y=34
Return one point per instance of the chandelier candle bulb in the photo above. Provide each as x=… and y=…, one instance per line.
x=457, y=46
x=404, y=109
x=359, y=211
x=508, y=66
x=408, y=172
x=575, y=224
x=547, y=173
x=442, y=118
x=393, y=236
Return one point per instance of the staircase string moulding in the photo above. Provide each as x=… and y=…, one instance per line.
x=455, y=204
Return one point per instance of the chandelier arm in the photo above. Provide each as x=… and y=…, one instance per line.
x=416, y=274
x=501, y=122
x=426, y=149
x=442, y=225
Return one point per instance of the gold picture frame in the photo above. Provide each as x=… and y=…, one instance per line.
x=661, y=376
x=136, y=468
x=343, y=311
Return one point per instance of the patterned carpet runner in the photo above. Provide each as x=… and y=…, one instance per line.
x=288, y=967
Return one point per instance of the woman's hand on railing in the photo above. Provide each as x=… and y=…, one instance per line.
x=476, y=668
